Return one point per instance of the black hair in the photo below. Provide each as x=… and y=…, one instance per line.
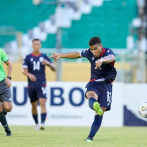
x=36, y=40
x=94, y=40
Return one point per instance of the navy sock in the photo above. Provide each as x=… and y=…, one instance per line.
x=43, y=117
x=4, y=121
x=95, y=126
x=91, y=102
x=35, y=116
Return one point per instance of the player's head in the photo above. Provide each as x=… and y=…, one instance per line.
x=95, y=45
x=36, y=45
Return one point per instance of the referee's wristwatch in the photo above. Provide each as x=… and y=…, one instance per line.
x=9, y=78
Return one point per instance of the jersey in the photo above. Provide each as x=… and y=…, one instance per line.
x=3, y=58
x=34, y=66
x=106, y=72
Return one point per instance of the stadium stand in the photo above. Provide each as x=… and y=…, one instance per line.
x=100, y=22
x=22, y=16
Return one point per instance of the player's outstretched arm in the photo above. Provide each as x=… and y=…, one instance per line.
x=31, y=76
x=73, y=55
x=9, y=65
x=106, y=60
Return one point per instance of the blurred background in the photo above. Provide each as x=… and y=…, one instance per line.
x=67, y=25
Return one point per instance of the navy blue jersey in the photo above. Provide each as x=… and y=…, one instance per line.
x=34, y=66
x=106, y=72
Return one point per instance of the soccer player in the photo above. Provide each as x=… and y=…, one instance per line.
x=103, y=73
x=5, y=93
x=34, y=68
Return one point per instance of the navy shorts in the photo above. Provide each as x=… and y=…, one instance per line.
x=36, y=93
x=104, y=92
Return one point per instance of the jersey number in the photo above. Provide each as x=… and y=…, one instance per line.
x=44, y=90
x=108, y=97
x=36, y=65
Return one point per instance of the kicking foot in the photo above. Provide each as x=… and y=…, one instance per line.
x=8, y=133
x=97, y=108
x=42, y=127
x=89, y=139
x=37, y=127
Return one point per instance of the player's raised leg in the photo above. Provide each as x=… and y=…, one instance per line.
x=42, y=102
x=93, y=104
x=35, y=114
x=4, y=121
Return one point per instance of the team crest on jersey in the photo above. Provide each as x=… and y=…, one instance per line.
x=92, y=58
x=41, y=59
x=31, y=59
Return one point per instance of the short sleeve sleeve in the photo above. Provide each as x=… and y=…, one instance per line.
x=84, y=53
x=25, y=62
x=4, y=57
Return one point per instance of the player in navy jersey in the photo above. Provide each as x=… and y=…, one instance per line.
x=34, y=68
x=103, y=73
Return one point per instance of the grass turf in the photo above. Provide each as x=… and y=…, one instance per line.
x=26, y=136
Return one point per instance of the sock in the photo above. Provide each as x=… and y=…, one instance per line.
x=35, y=116
x=95, y=126
x=4, y=121
x=43, y=117
x=91, y=102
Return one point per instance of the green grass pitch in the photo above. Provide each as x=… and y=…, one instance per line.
x=26, y=136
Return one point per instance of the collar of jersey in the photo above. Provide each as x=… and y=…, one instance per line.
x=102, y=53
x=35, y=55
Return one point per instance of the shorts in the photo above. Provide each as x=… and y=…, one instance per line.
x=5, y=92
x=104, y=92
x=36, y=93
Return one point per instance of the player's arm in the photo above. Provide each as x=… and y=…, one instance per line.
x=9, y=69
x=49, y=64
x=106, y=60
x=72, y=55
x=31, y=76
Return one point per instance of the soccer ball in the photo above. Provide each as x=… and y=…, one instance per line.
x=143, y=109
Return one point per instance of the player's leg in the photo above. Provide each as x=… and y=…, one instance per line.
x=7, y=106
x=105, y=103
x=42, y=102
x=42, y=96
x=93, y=104
x=32, y=93
x=95, y=125
x=6, y=99
x=4, y=121
x=35, y=114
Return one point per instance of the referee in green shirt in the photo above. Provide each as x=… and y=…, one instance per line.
x=5, y=93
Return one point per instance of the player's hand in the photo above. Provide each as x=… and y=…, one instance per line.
x=55, y=56
x=8, y=82
x=45, y=62
x=98, y=64
x=32, y=77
